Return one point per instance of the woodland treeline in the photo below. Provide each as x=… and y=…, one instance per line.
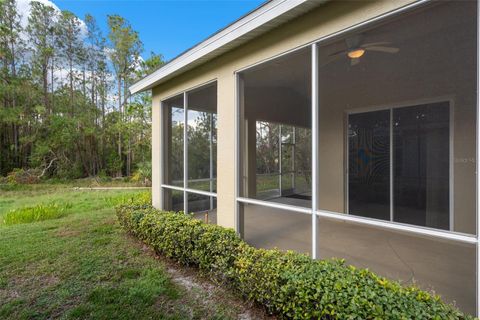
x=65, y=108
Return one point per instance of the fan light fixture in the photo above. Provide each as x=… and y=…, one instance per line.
x=355, y=54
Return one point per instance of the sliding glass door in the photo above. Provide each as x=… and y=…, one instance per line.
x=369, y=164
x=399, y=164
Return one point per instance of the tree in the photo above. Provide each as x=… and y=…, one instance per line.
x=41, y=34
x=70, y=48
x=124, y=54
x=57, y=115
x=11, y=46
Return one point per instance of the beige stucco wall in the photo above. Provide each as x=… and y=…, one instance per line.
x=324, y=20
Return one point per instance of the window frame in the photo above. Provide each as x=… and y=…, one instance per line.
x=163, y=125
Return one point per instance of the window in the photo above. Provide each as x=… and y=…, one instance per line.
x=190, y=151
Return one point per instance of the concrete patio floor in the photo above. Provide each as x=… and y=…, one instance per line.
x=444, y=267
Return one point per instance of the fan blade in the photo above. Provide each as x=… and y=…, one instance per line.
x=383, y=49
x=337, y=53
x=375, y=44
x=331, y=59
x=354, y=41
x=354, y=61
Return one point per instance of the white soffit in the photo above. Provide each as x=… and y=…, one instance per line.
x=268, y=16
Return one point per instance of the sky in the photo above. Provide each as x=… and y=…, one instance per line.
x=165, y=27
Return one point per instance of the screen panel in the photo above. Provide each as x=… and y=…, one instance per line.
x=174, y=123
x=369, y=164
x=421, y=166
x=276, y=228
x=444, y=266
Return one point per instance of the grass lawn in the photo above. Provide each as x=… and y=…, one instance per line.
x=83, y=265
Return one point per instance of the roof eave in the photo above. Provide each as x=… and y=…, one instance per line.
x=241, y=31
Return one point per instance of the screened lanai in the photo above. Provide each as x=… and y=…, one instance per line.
x=376, y=125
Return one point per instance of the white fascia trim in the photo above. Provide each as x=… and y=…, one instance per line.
x=257, y=18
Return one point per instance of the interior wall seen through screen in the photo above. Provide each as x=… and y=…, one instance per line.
x=276, y=130
x=415, y=64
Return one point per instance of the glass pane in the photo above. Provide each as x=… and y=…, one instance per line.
x=173, y=200
x=202, y=138
x=173, y=146
x=274, y=228
x=203, y=207
x=369, y=164
x=444, y=266
x=422, y=165
x=275, y=106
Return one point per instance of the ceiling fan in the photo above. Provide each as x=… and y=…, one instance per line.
x=356, y=49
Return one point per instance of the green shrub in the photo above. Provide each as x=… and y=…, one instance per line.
x=288, y=284
x=137, y=198
x=143, y=173
x=21, y=176
x=37, y=213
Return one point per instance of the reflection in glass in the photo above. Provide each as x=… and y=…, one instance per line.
x=421, y=141
x=174, y=114
x=369, y=164
x=202, y=138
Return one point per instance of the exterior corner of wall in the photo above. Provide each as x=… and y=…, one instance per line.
x=226, y=150
x=156, y=147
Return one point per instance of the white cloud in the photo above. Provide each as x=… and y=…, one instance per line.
x=137, y=63
x=24, y=8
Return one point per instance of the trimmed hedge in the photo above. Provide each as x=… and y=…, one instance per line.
x=288, y=284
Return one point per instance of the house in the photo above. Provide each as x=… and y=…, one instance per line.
x=342, y=129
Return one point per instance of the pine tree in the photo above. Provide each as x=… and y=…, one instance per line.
x=125, y=52
x=70, y=47
x=41, y=37
x=11, y=47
